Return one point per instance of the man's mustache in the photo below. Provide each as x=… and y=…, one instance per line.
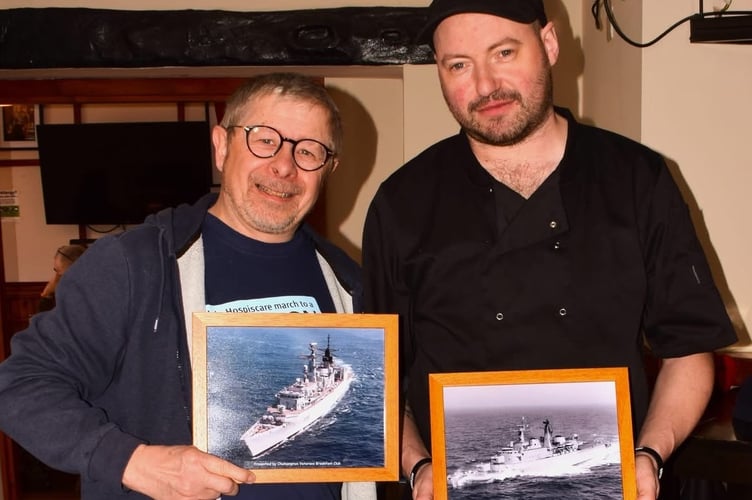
x=496, y=95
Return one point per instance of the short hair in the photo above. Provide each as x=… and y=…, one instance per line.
x=71, y=252
x=287, y=84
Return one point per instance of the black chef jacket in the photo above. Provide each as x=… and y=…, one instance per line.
x=601, y=254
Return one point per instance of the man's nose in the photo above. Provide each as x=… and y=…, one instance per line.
x=283, y=163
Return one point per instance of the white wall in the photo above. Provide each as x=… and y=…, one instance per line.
x=697, y=113
x=612, y=75
x=372, y=114
x=692, y=103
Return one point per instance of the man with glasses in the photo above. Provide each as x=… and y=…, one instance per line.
x=100, y=386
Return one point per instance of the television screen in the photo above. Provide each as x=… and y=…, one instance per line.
x=118, y=173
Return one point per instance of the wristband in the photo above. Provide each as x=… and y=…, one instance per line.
x=652, y=454
x=420, y=463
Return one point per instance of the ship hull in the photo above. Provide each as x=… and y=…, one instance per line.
x=552, y=464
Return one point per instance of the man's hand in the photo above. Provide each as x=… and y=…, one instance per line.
x=423, y=489
x=182, y=472
x=646, y=474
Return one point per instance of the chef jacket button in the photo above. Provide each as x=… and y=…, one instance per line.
x=499, y=316
x=562, y=312
x=557, y=245
x=553, y=224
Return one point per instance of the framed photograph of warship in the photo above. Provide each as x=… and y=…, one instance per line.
x=298, y=397
x=532, y=434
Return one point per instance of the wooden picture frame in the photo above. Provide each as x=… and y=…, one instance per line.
x=18, y=126
x=250, y=373
x=495, y=434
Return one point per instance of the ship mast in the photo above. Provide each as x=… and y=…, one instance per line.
x=547, y=433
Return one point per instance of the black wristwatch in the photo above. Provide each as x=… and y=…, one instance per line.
x=420, y=463
x=647, y=450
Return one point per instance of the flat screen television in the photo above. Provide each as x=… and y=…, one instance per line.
x=118, y=173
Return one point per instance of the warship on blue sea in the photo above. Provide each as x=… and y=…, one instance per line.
x=298, y=406
x=537, y=457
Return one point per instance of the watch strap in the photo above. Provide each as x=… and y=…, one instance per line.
x=420, y=463
x=647, y=450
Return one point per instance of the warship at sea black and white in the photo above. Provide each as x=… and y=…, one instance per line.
x=537, y=457
x=314, y=394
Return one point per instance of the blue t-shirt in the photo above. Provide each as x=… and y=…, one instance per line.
x=246, y=275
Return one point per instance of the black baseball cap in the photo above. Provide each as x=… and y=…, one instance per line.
x=521, y=11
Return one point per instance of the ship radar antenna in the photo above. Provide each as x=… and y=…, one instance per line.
x=328, y=357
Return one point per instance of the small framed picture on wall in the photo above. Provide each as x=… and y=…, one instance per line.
x=19, y=126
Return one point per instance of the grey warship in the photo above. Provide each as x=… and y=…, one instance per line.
x=322, y=384
x=537, y=457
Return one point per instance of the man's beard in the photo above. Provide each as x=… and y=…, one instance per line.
x=260, y=216
x=510, y=129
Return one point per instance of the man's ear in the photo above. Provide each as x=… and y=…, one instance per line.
x=220, y=141
x=550, y=42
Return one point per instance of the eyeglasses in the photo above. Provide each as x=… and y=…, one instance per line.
x=265, y=142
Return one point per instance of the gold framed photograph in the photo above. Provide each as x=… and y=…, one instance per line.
x=19, y=126
x=298, y=397
x=532, y=434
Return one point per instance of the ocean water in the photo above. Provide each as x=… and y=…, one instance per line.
x=473, y=436
x=247, y=366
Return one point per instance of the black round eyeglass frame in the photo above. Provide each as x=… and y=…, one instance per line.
x=283, y=139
